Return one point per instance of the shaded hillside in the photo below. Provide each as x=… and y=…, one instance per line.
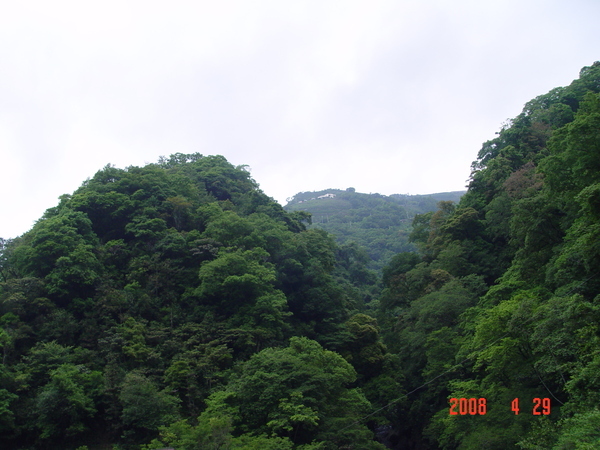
x=378, y=223
x=176, y=305
x=501, y=308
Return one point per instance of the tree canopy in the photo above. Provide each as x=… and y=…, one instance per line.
x=150, y=295
x=176, y=305
x=502, y=303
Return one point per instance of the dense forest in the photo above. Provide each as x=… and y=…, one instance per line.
x=502, y=302
x=378, y=224
x=176, y=305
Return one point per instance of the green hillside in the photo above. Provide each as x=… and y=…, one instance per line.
x=380, y=224
x=497, y=322
x=175, y=305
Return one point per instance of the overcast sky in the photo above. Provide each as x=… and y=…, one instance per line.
x=384, y=96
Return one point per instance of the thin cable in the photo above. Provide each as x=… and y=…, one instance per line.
x=453, y=368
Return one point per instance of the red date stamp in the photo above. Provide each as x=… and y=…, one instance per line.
x=478, y=406
x=464, y=406
x=540, y=406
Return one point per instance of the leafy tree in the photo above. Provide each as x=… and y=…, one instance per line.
x=6, y=270
x=145, y=408
x=300, y=392
x=6, y=414
x=67, y=403
x=580, y=431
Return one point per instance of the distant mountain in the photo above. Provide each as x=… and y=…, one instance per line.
x=379, y=223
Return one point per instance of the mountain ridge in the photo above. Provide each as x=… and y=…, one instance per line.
x=378, y=223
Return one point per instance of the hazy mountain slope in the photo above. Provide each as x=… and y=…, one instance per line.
x=376, y=222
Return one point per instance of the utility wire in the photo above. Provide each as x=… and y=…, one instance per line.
x=453, y=368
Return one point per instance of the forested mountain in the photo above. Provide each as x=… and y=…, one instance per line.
x=502, y=302
x=379, y=224
x=176, y=305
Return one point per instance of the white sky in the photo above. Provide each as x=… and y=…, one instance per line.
x=384, y=96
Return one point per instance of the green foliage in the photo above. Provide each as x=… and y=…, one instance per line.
x=399, y=265
x=153, y=307
x=6, y=415
x=145, y=408
x=293, y=397
x=129, y=309
x=239, y=275
x=66, y=404
x=363, y=348
x=581, y=432
x=53, y=237
x=300, y=392
x=6, y=271
x=522, y=242
x=377, y=223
